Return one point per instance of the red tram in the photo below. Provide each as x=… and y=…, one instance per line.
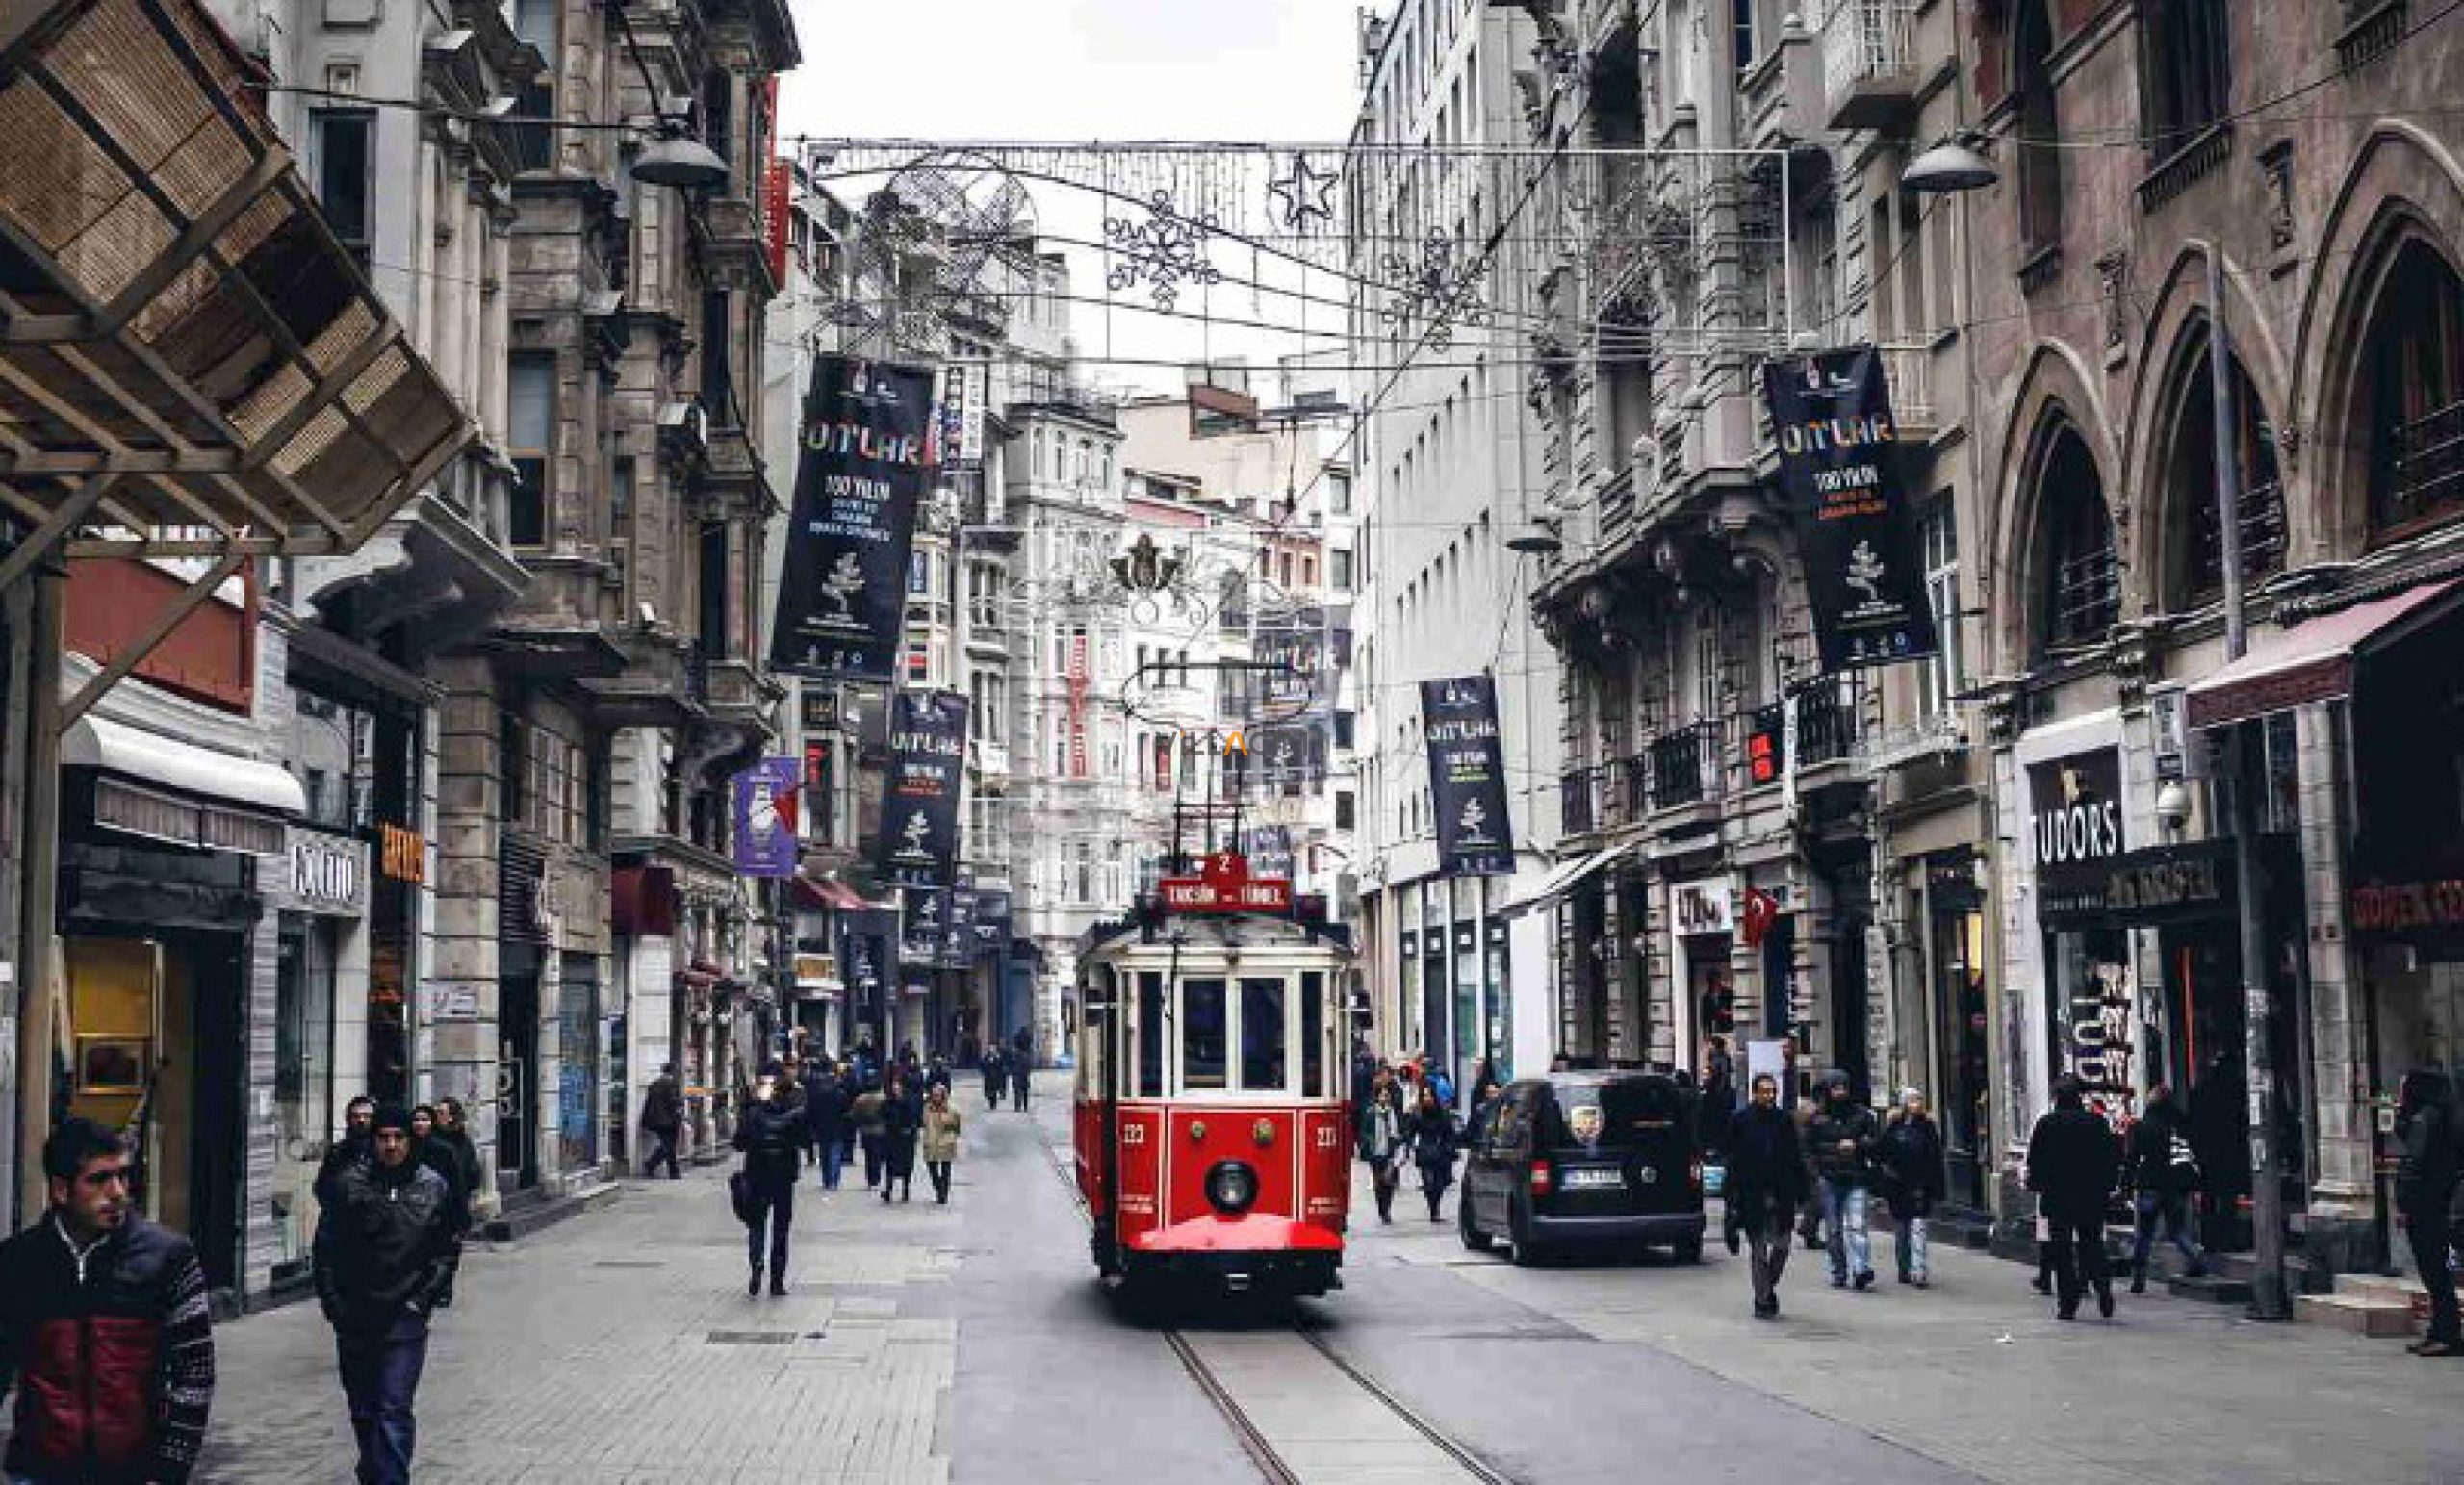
x=1213, y=1131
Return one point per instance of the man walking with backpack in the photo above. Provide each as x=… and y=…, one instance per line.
x=2164, y=1173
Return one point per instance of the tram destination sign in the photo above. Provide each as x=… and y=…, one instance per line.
x=1223, y=884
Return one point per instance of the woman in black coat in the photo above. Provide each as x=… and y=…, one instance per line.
x=1435, y=1141
x=1912, y=1161
x=902, y=1117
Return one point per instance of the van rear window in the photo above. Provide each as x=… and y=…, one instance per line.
x=1615, y=1111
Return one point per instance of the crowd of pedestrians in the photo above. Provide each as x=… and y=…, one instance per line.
x=888, y=1114
x=1821, y=1171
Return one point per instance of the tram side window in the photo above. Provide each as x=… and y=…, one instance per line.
x=1203, y=1035
x=1264, y=1041
x=1150, y=1034
x=1313, y=1034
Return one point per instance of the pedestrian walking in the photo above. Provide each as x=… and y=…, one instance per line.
x=995, y=1082
x=771, y=1134
x=1379, y=1139
x=826, y=1101
x=1434, y=1140
x=936, y=1075
x=352, y=1146
x=2432, y=1136
x=864, y=1116
x=662, y=1117
x=901, y=1122
x=1843, y=1138
x=941, y=1140
x=1484, y=1084
x=1910, y=1158
x=2072, y=1161
x=1718, y=1099
x=104, y=1327
x=1766, y=1184
x=2163, y=1171
x=383, y=1254
x=1022, y=1058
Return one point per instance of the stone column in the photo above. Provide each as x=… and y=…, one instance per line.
x=461, y=993
x=2343, y=1197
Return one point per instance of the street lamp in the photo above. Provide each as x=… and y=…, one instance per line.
x=1537, y=541
x=1951, y=166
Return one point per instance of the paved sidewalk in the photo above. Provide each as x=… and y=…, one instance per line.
x=620, y=1348
x=1975, y=1373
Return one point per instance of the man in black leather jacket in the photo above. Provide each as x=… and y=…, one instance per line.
x=1841, y=1139
x=772, y=1133
x=384, y=1253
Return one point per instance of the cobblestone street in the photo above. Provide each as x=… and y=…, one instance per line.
x=923, y=1344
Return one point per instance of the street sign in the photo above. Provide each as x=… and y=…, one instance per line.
x=1223, y=884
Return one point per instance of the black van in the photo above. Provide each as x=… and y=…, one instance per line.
x=1581, y=1157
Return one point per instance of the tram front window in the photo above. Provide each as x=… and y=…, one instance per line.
x=1150, y=1034
x=1204, y=1035
x=1263, y=1036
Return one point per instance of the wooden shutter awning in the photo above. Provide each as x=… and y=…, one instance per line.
x=191, y=364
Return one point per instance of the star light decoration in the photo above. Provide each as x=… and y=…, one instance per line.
x=1440, y=286
x=1165, y=252
x=1300, y=194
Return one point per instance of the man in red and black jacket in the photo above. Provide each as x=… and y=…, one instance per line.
x=103, y=1327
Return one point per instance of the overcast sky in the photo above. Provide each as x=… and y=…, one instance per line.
x=1075, y=69
x=1095, y=69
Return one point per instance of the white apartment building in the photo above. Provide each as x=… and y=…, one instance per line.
x=1449, y=467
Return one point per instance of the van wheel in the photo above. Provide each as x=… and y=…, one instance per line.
x=1526, y=1253
x=1473, y=1239
x=1688, y=1250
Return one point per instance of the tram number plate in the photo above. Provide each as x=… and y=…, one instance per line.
x=1133, y=1133
x=1326, y=1137
x=1576, y=1178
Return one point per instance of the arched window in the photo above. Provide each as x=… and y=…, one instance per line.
x=2040, y=124
x=2188, y=71
x=2194, y=544
x=2079, y=583
x=2414, y=379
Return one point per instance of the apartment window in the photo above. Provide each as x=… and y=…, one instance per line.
x=2081, y=587
x=344, y=140
x=1339, y=494
x=2040, y=128
x=1346, y=808
x=919, y=574
x=1741, y=33
x=534, y=145
x=713, y=613
x=1938, y=538
x=1339, y=570
x=984, y=595
x=2189, y=70
x=718, y=383
x=532, y=394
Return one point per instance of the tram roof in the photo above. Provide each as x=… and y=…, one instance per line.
x=1204, y=931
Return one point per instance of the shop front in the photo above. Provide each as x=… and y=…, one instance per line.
x=319, y=894
x=1955, y=965
x=1702, y=927
x=2090, y=993
x=165, y=950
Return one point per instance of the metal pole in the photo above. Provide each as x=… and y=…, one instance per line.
x=39, y=881
x=2269, y=1297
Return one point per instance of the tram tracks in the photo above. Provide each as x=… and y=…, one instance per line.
x=1302, y=1413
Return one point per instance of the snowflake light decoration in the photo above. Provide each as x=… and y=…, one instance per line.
x=1440, y=286
x=1165, y=252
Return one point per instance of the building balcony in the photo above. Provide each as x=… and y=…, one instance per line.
x=1870, y=64
x=731, y=476
x=655, y=684
x=1581, y=795
x=734, y=251
x=1685, y=766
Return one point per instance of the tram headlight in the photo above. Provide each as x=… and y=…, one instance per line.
x=1231, y=1187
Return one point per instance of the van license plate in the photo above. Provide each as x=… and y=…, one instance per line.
x=1574, y=1178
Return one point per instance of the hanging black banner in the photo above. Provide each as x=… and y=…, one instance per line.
x=958, y=929
x=861, y=474
x=1289, y=755
x=1467, y=777
x=924, y=913
x=1856, y=523
x=919, y=835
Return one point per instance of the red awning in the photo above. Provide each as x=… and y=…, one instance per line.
x=2309, y=662
x=830, y=893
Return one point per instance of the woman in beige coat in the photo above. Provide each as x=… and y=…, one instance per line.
x=941, y=1143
